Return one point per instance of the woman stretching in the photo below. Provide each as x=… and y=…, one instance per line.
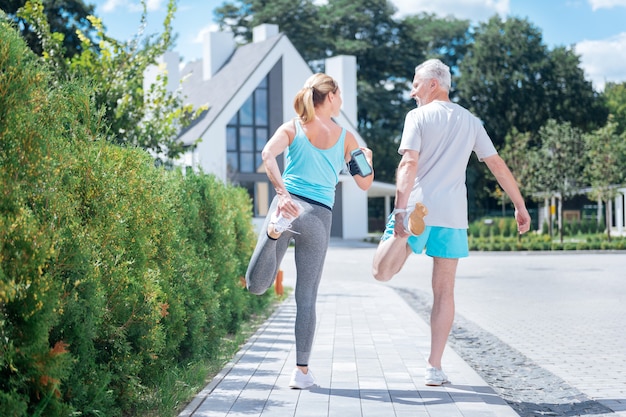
x=317, y=150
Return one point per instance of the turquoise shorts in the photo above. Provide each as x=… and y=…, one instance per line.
x=440, y=242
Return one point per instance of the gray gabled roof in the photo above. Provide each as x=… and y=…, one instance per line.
x=224, y=85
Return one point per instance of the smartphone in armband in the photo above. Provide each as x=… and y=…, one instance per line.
x=358, y=164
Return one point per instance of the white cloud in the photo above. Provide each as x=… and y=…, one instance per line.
x=112, y=5
x=153, y=5
x=603, y=60
x=474, y=10
x=606, y=4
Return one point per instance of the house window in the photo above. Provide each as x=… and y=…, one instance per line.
x=247, y=132
x=246, y=135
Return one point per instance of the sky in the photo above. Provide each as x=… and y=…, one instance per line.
x=596, y=29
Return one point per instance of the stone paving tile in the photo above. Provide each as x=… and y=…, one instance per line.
x=365, y=363
x=370, y=350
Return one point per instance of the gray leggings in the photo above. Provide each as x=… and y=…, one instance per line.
x=311, y=244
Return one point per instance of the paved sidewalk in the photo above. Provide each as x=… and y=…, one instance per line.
x=368, y=359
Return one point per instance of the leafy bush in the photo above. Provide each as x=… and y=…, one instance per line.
x=501, y=226
x=537, y=242
x=112, y=271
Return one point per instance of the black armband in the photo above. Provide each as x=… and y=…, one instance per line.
x=358, y=164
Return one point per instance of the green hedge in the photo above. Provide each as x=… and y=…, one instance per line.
x=502, y=235
x=111, y=271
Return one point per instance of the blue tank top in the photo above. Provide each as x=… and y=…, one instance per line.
x=312, y=172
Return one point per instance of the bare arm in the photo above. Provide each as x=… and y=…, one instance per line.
x=505, y=178
x=274, y=147
x=364, y=183
x=405, y=178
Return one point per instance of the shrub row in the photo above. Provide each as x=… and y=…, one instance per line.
x=544, y=243
x=501, y=235
x=111, y=271
x=506, y=227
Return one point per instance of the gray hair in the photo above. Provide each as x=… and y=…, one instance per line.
x=434, y=68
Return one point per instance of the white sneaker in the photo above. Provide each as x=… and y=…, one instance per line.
x=278, y=223
x=281, y=223
x=435, y=377
x=300, y=380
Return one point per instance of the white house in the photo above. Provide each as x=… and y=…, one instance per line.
x=249, y=90
x=552, y=209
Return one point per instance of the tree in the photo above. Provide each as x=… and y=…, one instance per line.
x=501, y=77
x=515, y=84
x=516, y=154
x=557, y=165
x=605, y=170
x=426, y=36
x=64, y=16
x=615, y=96
x=131, y=116
x=299, y=19
x=570, y=97
x=509, y=78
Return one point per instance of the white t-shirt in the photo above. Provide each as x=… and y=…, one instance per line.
x=444, y=134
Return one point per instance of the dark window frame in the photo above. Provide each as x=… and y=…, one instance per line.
x=258, y=185
x=244, y=130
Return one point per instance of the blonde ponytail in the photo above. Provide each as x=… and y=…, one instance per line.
x=314, y=93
